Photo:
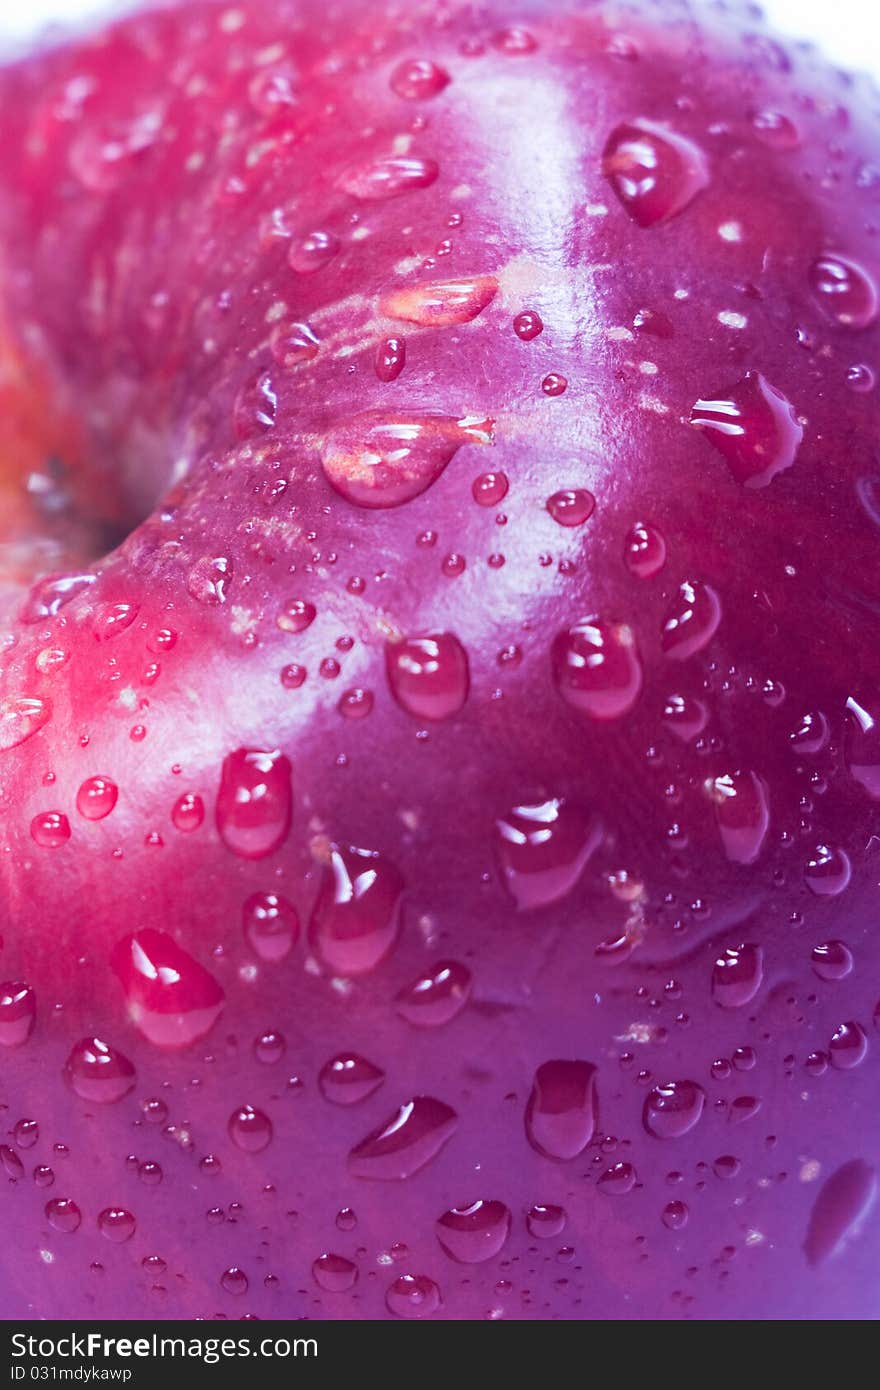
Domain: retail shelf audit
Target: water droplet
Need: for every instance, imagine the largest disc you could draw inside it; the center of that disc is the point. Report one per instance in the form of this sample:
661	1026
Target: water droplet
828	871
417	79
543	850
561	1111
356	918
554	384
63	1214
18	1013
675	1216
413	1296
597	668
116	1224
753	426
21	716
571	507
254	802
12	1164
292	344
312	252
50	829
379	460
436	996
334	1273
272	90
188	812
862	745
271	925
171	998
296	615
644	551
489	489
474	1233
737	976
346	1219
861	377
848	1046
255	407
250	1129
841	1205
528	325
618	1180
428	675
443	303
349	1078
742	814
293	676
811	734
655	172
209	579
96	798
691	620
356	704
390	359
685	716
776	130
409	1139
48	596
388	178
102	156
846	291
98	1073
673	1109
234	1281
270	1047
26	1133
545	1222
832	960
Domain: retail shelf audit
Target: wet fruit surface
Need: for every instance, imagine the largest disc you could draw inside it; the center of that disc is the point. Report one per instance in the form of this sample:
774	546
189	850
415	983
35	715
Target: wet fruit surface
439	687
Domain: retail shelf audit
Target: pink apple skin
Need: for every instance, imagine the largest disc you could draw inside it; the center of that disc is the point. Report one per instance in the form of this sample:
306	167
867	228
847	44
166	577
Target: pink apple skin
280	283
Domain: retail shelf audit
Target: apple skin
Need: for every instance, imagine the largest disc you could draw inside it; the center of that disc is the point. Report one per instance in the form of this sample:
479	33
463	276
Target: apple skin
179	195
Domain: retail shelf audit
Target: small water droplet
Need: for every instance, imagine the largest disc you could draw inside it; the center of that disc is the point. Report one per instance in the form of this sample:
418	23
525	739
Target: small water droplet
777	130
572	506
234	1281
417	79
545	1222
256	406
171	998
862	745
413	1296
828	871
292	344
846	291
250	1129
737	976
691	620
50	829
543	850
390	359
209	579
474	1233
349	1078
63	1214
618	1180
753	426
675	1216
99	1073
848	1046
528	325
742	814
116	1224
312	252
435	996
334	1273
644	550
554	384
188	812
388	178
271	925
832	960
18	1013
48	596
673	1109
96	797
685	716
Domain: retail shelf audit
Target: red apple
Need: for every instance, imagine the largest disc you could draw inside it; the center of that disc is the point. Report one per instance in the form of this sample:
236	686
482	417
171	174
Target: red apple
440	768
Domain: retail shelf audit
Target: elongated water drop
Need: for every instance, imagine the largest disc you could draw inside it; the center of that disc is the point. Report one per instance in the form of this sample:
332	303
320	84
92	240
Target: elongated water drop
379	460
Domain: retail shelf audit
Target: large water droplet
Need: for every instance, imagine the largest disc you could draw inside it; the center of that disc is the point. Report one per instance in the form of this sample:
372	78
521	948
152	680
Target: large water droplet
545	1222
116	1224
416	79
862	745
18	1013
597	668
737	976
388	178
561	1111
673	1109
63	1214
409	1139
841	1205
828	871
271	925
413	1296
654	171
846	291
428	675
312	252
334	1273
171	998
349	1078
691	620
848	1047
742	814
356	917
644	550
96	797
474	1233
832	960
50	829
685	716
98	1073
250	1129
209	579
21	716
543	850
572	506
254	802
383	460
48	596
436	996
753	426
617	1180
442	303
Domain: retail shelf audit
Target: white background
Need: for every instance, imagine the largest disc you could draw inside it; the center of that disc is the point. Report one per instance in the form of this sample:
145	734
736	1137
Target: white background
848	30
